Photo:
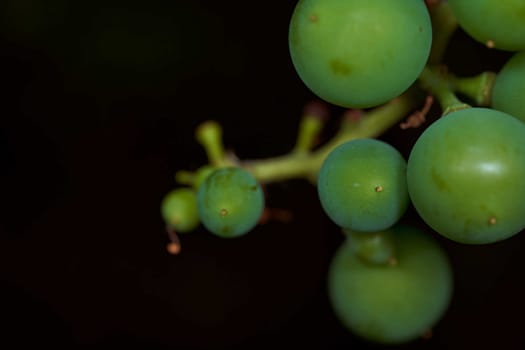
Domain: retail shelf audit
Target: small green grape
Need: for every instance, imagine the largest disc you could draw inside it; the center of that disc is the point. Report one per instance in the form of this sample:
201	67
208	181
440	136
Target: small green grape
509	87
230	202
466	174
179	210
392	303
201	175
495	23
359	53
362	185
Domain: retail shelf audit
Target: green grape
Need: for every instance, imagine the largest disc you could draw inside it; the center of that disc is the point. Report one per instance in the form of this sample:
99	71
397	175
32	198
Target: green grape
359	53
495	23
509	87
362	185
466	174
179	210
392	303
201	175
230	202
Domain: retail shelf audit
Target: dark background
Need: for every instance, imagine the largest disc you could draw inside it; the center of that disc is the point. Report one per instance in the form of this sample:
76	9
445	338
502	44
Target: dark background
99	104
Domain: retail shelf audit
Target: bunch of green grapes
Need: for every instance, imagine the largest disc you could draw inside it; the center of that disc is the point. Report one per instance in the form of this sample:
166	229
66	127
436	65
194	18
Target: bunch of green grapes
465	172
464	176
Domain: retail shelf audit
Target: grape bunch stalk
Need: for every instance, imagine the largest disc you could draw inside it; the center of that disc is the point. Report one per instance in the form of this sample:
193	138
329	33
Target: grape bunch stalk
382	61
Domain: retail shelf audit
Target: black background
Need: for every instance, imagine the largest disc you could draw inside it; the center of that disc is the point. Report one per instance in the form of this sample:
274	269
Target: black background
100	101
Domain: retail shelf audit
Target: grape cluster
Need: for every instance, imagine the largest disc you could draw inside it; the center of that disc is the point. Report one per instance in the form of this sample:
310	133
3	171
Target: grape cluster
388	282
464	175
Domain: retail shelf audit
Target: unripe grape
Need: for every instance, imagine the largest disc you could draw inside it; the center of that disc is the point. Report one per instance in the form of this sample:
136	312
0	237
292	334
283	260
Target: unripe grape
179	210
201	175
362	185
466	175
495	23
359	53
230	202
509	87
392	303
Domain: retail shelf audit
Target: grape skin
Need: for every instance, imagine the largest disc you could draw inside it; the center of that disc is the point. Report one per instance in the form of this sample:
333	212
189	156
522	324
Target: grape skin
359	53
465	176
362	185
230	202
495	23
179	210
509	87
397	303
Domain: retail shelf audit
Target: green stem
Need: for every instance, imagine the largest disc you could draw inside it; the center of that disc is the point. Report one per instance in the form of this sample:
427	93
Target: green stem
315	114
436	82
209	135
307	165
478	88
444	24
309	129
185	177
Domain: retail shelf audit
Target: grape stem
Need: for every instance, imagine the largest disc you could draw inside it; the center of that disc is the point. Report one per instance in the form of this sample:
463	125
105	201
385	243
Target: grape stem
435	80
302	161
306	165
315	114
478	88
209	135
438	81
444	24
444	86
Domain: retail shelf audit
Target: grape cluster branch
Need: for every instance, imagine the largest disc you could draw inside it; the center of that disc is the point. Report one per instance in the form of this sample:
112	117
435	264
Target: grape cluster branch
306	157
304	162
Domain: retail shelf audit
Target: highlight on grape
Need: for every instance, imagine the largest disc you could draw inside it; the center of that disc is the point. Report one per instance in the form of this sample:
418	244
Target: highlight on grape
383	62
